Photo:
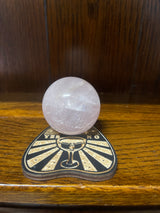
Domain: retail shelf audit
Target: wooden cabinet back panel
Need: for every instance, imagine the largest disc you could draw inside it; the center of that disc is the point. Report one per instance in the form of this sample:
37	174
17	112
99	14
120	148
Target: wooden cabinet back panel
114	44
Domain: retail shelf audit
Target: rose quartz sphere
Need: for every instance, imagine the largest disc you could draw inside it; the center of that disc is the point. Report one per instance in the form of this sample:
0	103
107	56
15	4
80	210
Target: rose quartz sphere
71	105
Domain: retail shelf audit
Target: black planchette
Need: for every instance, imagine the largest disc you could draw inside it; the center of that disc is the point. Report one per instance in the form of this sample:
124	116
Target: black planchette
52	155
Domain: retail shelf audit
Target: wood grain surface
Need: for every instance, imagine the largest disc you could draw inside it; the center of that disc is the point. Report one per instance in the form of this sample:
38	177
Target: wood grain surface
132	129
147	75
114	44
96	40
23	49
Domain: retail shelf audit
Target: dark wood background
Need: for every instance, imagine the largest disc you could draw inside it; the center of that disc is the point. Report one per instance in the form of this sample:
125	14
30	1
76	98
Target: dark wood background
114	44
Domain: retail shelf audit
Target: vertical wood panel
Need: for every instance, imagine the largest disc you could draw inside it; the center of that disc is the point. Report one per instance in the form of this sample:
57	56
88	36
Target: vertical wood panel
114	44
23	49
147	73
94	39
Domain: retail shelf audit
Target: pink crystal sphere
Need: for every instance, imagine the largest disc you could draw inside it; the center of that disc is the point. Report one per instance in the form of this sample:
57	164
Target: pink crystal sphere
71	105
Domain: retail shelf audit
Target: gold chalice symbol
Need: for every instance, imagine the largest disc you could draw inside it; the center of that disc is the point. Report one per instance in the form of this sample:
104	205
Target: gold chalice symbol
71	145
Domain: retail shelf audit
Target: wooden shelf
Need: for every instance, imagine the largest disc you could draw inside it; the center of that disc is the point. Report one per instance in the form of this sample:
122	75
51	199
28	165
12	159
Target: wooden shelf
133	130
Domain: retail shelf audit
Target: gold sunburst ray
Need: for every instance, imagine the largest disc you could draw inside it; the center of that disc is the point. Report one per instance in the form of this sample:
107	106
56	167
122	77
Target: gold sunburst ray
35	160
99	143
41	148
53	162
43	142
87	165
101	149
103	160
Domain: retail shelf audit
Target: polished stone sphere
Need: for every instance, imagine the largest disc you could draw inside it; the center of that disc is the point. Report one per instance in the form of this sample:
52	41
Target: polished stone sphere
71	105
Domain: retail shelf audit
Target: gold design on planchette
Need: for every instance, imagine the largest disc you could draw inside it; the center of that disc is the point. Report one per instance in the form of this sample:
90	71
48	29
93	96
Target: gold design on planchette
42	148
35	160
104	161
43	142
87	165
87	153
99	143
100	149
71	145
53	162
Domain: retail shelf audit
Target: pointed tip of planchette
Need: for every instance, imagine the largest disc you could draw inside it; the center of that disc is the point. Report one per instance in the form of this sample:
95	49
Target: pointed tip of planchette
87	156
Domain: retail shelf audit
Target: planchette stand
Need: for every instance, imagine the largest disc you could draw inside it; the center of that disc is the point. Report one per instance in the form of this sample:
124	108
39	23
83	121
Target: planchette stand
87	156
